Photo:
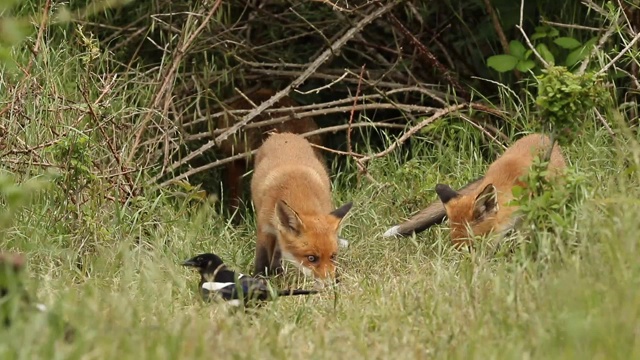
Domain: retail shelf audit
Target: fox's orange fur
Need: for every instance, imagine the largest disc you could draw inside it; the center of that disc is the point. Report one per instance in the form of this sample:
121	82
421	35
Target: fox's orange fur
250	139
486	209
431	215
296	219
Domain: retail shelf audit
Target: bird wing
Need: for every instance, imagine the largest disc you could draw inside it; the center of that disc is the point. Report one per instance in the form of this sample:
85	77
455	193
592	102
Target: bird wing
246	288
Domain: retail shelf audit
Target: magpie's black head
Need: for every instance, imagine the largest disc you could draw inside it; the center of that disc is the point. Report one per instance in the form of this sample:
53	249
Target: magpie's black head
204	262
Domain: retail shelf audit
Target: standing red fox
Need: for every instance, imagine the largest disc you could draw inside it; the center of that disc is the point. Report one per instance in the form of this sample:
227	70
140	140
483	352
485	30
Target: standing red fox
250	139
296	220
484	208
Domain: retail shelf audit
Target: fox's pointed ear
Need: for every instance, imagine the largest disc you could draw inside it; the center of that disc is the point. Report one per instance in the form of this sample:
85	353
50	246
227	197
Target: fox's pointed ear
342	210
340	213
486	202
287	218
445	193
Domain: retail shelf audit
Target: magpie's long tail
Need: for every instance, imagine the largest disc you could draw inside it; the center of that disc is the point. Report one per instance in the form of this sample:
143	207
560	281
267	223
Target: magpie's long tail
296	292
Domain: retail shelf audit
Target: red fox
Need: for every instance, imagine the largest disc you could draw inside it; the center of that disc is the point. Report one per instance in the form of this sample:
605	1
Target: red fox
250	139
432	215
296	221
484	208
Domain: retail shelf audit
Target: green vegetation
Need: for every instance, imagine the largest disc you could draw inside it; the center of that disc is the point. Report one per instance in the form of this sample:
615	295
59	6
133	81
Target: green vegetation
92	119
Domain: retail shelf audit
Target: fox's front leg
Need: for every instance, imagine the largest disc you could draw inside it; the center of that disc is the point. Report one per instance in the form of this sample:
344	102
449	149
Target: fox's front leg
268	255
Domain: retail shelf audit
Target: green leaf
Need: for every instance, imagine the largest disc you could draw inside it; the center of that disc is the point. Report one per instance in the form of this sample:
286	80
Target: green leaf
537	36
525	65
567	42
517	49
577	55
528	53
543	50
502	63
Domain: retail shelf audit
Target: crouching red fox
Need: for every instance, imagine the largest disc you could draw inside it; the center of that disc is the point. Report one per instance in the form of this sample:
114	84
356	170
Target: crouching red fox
486	207
481	206
296	220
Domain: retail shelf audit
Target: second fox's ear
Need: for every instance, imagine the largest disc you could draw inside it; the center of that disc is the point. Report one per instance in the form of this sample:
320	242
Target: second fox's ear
340	213
287	218
342	210
445	193
486	202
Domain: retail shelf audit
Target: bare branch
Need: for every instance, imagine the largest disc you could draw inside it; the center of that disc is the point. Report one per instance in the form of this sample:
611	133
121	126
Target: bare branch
294	84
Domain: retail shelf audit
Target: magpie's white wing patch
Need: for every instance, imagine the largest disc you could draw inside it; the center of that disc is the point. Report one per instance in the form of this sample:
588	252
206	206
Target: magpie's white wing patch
215	286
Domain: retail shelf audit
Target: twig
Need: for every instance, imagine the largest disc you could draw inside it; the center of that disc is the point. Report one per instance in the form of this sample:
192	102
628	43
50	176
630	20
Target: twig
327	86
526	38
571	26
497	26
36	48
604	122
115	155
207	167
440	113
353	110
477	126
603	39
430	58
620	54
336	151
169	78
327	108
329	129
402	107
310	70
294	84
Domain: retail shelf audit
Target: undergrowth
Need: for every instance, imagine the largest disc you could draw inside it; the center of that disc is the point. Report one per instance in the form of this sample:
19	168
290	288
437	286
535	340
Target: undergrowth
104	254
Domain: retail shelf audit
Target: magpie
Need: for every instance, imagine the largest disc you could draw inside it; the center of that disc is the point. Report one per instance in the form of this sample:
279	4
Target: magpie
216	279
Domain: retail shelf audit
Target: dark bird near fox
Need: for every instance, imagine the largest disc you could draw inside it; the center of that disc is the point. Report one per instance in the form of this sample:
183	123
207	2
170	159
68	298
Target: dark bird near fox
217	280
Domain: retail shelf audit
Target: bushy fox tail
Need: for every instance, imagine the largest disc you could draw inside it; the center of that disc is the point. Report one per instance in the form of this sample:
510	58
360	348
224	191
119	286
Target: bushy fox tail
432	215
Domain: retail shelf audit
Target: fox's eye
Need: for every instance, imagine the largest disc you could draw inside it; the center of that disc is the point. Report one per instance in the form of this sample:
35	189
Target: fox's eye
333	257
312	258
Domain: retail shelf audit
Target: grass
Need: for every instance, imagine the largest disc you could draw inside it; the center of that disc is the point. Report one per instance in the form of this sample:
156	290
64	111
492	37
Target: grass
113	271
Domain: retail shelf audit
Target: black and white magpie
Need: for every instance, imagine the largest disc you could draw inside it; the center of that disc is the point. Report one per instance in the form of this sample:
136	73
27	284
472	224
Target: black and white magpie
216	279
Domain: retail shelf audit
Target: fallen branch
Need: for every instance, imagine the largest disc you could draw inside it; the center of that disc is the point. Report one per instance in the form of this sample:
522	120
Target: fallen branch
620	54
328	53
440	113
169	77
221	162
328	108
294	84
430	59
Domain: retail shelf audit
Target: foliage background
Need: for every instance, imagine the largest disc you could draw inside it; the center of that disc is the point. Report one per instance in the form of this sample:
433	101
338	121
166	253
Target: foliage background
110	101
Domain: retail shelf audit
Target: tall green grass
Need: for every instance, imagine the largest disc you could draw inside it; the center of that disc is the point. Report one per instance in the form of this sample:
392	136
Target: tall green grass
112	270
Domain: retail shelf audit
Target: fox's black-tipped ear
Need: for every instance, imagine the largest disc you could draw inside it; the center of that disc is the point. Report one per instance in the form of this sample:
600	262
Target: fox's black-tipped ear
486	202
287	217
342	210
445	193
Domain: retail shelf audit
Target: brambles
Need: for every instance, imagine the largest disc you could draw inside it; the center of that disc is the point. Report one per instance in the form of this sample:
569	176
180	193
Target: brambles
565	99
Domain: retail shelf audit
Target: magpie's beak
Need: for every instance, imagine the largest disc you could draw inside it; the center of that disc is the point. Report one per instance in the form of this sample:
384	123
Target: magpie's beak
189	262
